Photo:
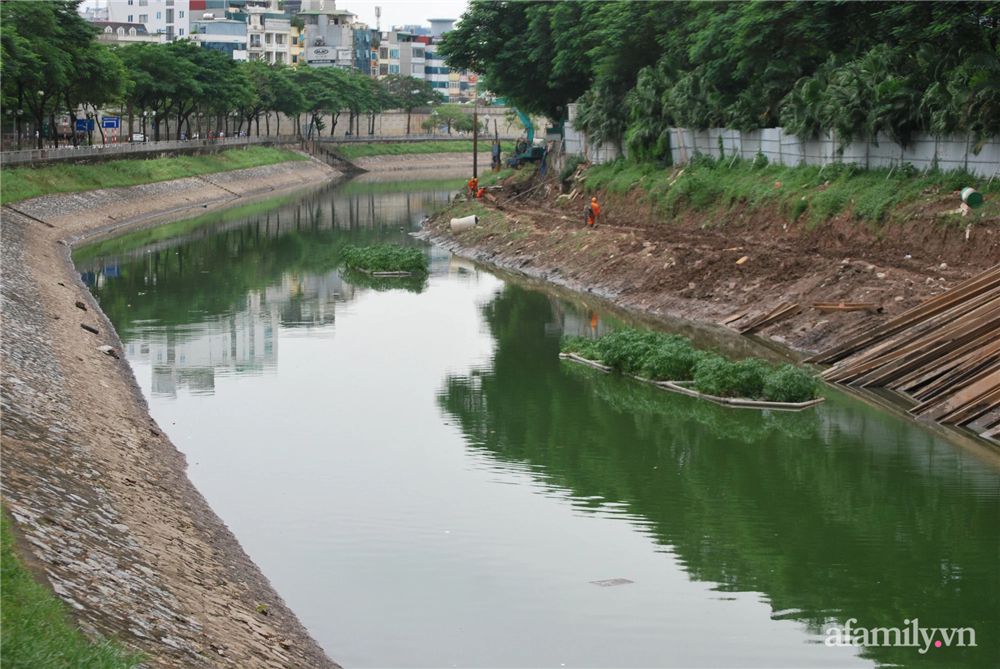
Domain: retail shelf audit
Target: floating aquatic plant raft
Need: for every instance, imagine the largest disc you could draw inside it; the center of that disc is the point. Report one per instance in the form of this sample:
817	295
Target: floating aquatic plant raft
385	259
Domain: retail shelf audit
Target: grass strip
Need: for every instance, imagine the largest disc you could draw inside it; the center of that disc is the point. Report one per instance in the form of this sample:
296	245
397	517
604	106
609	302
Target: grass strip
665	357
405	148
37	632
20	183
809	193
385	258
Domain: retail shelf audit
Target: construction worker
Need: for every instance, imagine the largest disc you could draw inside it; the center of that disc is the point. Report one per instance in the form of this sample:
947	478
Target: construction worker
473	186
592	210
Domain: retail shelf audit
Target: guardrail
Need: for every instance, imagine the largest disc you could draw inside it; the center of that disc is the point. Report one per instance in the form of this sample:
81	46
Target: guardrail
29	156
70	152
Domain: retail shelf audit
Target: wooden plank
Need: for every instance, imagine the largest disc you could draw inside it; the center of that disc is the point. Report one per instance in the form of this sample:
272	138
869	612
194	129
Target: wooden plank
772	318
965	354
982	404
972	287
955	379
734	318
830	307
894	347
960	398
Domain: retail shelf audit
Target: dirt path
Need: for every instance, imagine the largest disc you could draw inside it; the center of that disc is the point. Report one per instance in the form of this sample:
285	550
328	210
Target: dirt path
697	269
99	494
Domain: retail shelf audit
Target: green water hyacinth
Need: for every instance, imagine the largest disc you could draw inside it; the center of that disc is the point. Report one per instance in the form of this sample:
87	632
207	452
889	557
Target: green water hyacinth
665	357
385	258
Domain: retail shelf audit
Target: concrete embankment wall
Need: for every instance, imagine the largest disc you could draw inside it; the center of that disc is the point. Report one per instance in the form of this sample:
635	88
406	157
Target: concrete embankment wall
99	496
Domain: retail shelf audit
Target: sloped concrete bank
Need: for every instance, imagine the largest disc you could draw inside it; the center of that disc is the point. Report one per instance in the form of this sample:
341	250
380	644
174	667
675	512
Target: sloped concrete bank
99	495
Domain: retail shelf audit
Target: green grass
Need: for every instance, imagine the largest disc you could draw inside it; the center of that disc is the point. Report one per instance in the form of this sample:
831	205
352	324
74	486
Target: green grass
664	357
22	182
404	148
808	193
385	258
37	632
493	178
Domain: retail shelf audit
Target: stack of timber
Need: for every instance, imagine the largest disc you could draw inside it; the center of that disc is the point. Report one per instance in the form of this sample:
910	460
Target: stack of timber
779	313
944	354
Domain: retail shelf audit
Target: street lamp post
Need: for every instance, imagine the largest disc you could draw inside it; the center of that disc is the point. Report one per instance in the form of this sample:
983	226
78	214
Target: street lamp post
475	138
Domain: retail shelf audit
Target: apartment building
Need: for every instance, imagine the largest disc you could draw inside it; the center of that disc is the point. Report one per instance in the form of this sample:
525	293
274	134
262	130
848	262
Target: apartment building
170	19
226	35
268	39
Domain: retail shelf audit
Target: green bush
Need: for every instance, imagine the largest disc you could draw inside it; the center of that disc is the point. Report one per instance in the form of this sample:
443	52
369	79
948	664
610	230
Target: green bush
790	384
673	359
748	378
714	375
665	357
626	349
582	346
385	258
569	169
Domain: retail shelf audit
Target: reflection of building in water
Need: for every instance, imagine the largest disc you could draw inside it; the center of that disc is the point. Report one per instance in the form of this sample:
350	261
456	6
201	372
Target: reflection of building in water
309	299
190	356
573	319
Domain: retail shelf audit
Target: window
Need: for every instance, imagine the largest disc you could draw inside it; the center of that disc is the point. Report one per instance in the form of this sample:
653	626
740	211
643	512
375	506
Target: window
129	3
295	59
383	53
416	69
159	15
121	31
279	39
295	41
383	69
107	30
418	53
394	53
279	57
143	3
180	33
143	18
170	15
180	14
267	38
131	31
130	18
394	69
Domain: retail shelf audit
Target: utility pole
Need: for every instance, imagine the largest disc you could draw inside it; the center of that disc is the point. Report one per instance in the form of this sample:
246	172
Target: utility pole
475	137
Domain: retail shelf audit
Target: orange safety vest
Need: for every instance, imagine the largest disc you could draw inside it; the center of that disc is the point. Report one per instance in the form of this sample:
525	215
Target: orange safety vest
595	211
472	185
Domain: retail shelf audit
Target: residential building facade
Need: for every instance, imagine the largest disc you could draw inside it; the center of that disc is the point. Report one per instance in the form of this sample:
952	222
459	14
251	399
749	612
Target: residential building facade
169	19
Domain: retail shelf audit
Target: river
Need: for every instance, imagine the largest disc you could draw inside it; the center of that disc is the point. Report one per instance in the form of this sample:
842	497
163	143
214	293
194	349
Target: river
426	484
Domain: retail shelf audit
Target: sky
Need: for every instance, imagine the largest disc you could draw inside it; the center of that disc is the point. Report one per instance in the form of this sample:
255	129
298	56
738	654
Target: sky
394	12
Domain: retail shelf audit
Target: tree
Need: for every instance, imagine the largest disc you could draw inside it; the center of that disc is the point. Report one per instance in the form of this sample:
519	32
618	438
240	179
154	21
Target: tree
411	92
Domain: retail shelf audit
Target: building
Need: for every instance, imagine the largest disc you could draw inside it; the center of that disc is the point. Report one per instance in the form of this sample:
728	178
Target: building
113	32
296	49
268	39
226	35
405	53
169	19
333	38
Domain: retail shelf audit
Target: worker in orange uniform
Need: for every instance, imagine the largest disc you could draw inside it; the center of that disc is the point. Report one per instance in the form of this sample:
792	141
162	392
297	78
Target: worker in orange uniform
473	186
593	210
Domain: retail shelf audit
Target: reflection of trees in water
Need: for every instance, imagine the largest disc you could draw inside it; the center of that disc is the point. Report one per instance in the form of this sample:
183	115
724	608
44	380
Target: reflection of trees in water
796	506
209	269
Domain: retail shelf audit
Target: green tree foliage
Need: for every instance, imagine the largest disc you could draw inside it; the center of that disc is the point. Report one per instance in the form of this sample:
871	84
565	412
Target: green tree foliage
52	65
638	69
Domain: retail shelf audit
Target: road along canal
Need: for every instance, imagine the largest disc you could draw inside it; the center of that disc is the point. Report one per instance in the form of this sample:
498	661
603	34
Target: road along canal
426	483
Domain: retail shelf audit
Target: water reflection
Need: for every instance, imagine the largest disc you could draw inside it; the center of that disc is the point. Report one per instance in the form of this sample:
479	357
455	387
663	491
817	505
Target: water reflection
455	488
210	296
841	512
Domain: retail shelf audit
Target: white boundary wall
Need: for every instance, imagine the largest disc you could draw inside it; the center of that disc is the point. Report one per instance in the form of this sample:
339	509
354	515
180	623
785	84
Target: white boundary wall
781	148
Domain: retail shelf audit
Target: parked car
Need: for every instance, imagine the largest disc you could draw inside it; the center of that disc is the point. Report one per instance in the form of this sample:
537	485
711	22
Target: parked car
138	137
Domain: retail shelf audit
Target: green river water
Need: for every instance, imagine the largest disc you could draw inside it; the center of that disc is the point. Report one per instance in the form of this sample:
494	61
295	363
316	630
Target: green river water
426	484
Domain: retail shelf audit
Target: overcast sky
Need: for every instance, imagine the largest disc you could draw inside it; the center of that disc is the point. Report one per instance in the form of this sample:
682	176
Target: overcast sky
394	12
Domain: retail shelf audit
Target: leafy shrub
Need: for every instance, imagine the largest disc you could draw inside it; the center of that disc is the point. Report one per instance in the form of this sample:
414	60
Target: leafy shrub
714	375
569	169
790	384
748	377
582	346
673	359
385	258
625	349
760	161
704	160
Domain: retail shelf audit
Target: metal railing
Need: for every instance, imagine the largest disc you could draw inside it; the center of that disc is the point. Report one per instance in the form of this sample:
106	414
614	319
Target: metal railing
28	156
70	152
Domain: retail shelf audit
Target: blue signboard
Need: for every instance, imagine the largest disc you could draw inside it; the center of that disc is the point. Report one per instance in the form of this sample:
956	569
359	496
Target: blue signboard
109	121
84	125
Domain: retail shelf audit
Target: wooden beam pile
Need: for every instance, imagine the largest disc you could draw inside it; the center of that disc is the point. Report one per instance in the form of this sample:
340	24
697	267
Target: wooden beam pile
779	313
944	353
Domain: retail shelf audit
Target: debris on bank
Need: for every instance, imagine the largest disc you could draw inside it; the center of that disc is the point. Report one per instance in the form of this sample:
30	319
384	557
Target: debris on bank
943	354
